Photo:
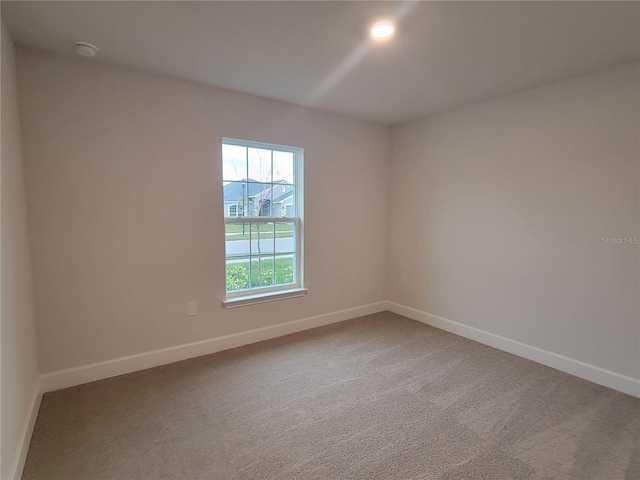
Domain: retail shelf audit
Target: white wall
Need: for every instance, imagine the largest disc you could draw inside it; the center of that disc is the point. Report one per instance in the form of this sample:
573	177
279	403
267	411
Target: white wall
124	192
19	360
498	210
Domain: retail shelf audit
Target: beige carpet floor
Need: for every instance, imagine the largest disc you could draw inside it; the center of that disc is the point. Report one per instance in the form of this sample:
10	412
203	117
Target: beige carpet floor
377	397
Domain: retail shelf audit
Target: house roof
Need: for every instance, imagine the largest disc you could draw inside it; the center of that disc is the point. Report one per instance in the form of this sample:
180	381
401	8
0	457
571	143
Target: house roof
280	192
233	191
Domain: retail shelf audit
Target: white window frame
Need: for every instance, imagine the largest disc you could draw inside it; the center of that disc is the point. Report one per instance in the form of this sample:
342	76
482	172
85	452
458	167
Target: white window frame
255	295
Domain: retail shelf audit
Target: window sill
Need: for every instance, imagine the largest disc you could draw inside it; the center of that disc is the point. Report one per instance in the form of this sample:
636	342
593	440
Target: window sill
246	300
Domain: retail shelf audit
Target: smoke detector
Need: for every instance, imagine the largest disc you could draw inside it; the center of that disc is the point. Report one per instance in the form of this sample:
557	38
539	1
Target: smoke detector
86	49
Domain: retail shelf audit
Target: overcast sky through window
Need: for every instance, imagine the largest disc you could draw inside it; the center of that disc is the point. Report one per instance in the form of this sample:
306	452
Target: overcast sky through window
239	163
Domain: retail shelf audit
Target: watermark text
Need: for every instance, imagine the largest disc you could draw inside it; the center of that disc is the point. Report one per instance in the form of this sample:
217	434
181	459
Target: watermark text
620	240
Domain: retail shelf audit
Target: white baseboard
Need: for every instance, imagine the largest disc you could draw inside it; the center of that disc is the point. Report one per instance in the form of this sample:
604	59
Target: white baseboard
15	473
119	366
580	369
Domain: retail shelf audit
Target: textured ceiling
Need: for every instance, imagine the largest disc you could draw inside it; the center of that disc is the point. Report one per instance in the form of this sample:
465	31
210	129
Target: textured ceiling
444	55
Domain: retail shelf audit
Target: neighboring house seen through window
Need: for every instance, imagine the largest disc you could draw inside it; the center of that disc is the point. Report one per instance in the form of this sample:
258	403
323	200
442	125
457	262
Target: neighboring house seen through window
262	185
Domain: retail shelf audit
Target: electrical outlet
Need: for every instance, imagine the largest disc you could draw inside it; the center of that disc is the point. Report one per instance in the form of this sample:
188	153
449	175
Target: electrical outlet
405	281
192	308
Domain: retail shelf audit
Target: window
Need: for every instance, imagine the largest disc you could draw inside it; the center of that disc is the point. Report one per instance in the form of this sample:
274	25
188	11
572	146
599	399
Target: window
262	185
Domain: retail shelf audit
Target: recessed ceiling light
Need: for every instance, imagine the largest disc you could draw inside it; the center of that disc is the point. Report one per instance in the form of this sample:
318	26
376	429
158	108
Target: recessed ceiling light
86	49
382	30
